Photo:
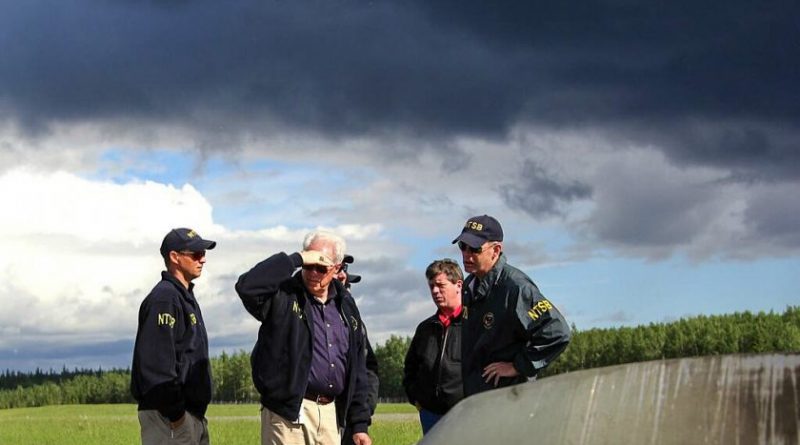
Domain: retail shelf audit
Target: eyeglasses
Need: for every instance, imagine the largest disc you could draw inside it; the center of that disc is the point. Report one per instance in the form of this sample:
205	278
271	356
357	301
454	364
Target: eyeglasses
466	248
318	268
197	256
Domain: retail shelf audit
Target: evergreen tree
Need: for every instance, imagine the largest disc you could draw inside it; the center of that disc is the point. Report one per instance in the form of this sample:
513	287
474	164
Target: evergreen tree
391	357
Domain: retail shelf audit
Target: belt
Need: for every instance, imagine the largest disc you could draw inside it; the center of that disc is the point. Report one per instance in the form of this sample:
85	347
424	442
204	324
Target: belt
319	399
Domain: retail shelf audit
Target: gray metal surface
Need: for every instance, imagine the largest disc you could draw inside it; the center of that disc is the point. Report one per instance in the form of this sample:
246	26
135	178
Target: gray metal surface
733	399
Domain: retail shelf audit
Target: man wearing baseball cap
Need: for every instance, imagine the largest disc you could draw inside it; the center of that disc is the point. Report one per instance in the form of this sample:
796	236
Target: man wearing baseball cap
510	331
308	363
171	372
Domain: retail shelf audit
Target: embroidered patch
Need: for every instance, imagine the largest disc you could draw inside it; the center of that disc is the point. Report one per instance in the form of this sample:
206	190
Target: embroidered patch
166	319
539	309
488	320
296	310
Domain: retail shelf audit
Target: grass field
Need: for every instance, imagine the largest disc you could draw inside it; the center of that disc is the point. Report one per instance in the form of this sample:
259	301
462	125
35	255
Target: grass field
393	424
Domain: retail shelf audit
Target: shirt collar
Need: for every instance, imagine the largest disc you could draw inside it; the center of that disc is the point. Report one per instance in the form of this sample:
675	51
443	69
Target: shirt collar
446	319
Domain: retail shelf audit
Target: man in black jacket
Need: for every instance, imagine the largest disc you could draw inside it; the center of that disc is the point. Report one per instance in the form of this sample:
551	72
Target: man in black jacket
171	373
510	330
432	370
308	363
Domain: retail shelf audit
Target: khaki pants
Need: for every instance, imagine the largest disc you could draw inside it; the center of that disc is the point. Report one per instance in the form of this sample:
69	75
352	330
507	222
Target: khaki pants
156	430
316	426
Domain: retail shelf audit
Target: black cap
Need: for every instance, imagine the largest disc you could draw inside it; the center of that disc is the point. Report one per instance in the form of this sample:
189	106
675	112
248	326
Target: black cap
480	229
351	277
184	239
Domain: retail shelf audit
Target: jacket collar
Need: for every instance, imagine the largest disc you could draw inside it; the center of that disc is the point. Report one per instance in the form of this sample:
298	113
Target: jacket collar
486	283
187	293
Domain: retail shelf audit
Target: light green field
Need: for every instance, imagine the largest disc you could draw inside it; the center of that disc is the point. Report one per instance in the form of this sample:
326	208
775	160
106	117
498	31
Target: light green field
393	424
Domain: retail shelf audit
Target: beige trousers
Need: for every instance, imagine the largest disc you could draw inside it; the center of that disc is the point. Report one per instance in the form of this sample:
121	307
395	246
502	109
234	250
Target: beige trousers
316	426
156	430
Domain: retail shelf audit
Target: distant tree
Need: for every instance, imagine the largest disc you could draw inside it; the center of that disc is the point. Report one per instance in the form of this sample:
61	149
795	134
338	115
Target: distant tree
232	378
391	356
741	332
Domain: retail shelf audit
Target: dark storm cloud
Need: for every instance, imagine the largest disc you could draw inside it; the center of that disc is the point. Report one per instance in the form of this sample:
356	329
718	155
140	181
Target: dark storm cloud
540	195
772	214
664	59
442	69
713	86
708	85
347	68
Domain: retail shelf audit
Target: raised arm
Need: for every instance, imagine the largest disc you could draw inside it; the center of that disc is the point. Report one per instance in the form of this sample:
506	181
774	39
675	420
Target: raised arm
258	285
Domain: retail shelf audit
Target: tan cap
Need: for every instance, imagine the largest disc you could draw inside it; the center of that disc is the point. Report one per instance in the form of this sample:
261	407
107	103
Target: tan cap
312	257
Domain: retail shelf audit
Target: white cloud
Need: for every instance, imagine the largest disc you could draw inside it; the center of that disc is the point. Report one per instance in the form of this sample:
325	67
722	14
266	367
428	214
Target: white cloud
79	255
63	204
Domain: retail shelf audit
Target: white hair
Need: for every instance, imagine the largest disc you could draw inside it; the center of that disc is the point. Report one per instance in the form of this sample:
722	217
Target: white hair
339	246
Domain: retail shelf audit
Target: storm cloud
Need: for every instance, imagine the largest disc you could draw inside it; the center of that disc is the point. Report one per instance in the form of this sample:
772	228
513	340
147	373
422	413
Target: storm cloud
707	85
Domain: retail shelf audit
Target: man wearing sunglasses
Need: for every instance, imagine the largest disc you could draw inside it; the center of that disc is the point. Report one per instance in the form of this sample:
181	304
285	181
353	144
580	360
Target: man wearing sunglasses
308	363
510	331
171	374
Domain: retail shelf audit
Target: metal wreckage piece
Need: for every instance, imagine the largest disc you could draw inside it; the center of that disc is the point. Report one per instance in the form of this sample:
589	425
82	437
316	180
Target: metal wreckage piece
730	399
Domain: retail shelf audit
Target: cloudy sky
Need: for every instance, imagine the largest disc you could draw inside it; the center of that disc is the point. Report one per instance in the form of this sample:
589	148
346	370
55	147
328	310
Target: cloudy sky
644	159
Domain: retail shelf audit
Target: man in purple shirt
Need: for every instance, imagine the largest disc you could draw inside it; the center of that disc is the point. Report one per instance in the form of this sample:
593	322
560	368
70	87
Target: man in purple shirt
308	363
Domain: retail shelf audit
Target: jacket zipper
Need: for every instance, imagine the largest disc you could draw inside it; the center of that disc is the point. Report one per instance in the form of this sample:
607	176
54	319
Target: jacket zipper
441	359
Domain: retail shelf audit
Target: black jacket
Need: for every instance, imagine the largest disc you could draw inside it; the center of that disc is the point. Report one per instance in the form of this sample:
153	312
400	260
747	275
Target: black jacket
171	371
281	358
432	370
373	385
373	377
507	319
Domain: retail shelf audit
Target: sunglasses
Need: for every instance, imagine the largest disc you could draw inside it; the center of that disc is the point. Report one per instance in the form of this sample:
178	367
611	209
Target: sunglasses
318	268
466	248
197	256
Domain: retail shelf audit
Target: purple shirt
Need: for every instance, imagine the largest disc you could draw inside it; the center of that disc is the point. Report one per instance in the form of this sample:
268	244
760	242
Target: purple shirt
329	353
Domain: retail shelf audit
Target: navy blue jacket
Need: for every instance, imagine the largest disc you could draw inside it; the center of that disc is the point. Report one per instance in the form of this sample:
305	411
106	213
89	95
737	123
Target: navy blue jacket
171	371
281	358
506	319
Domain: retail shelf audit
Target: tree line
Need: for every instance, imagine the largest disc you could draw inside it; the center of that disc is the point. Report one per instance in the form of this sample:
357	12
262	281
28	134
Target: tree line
12	379
743	332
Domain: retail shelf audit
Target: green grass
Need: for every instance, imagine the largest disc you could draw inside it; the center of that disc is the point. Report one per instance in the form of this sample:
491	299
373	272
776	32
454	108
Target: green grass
394	424
396	408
